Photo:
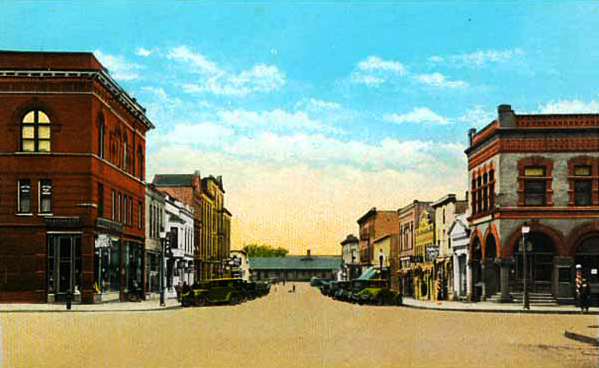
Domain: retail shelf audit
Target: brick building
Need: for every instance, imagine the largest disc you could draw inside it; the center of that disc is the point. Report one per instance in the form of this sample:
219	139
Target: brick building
373	225
543	170
212	221
402	256
71	180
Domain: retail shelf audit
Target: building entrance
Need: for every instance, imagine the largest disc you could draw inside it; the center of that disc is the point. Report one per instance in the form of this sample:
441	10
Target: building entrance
540	254
64	265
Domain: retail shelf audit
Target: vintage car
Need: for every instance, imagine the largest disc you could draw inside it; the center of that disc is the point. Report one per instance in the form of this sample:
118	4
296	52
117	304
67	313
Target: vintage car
250	290
324	287
215	291
376	292
343	290
262	288
316	282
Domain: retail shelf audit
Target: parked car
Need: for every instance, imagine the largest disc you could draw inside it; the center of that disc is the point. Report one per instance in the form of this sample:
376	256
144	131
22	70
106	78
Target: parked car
262	288
215	291
377	292
316	282
342	291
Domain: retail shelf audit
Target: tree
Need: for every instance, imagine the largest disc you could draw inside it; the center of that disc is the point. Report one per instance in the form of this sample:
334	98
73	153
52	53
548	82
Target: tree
256	250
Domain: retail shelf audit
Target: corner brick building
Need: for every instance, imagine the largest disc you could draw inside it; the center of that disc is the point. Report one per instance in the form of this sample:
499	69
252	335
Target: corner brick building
71	180
542	170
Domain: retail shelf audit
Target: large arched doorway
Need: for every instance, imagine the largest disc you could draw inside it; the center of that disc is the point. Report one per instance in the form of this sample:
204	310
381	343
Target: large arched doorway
476	271
587	256
540	253
491	273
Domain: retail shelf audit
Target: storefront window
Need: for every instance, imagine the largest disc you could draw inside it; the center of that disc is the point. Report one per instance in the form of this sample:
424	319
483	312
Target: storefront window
106	266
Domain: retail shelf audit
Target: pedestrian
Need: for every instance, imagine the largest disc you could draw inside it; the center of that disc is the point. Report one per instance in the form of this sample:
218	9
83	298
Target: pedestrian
585	296
178	291
294	288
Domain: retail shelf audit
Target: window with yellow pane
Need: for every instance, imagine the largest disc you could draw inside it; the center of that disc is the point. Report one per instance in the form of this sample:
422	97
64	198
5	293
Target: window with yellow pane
35	132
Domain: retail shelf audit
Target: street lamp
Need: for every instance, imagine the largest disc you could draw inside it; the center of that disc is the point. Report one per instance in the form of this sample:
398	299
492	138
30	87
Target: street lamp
525	230
163	235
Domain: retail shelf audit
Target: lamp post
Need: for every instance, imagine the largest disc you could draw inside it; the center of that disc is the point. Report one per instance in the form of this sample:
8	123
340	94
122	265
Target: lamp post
161	268
525	230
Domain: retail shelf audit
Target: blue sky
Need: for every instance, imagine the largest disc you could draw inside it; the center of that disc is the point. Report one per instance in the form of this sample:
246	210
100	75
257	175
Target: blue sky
314	112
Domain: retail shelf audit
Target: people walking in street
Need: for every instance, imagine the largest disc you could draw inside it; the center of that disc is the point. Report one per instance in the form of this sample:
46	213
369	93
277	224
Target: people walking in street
585	296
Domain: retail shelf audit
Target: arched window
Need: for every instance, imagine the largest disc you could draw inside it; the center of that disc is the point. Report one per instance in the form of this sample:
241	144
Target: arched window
101	130
35	132
140	162
125	166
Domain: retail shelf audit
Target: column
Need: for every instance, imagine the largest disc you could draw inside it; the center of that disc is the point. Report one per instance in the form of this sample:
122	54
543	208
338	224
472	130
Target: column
505	265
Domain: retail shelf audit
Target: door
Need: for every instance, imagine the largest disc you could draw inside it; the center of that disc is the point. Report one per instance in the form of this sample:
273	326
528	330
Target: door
64	265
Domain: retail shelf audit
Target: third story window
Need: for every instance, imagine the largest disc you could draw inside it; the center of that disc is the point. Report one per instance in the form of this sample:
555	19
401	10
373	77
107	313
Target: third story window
35	132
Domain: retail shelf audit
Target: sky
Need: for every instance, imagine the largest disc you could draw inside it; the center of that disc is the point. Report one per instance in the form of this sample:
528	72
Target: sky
315	112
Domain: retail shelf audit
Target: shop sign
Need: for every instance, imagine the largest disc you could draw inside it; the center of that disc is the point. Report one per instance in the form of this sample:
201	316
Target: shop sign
63	222
431	253
103	241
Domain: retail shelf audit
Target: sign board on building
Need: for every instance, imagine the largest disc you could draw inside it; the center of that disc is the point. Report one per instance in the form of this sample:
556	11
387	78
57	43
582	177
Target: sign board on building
103	241
432	253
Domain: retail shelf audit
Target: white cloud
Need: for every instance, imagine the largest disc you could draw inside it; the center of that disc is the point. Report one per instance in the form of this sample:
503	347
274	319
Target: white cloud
374	71
418	115
375	63
143	52
368	80
480	58
477	117
570	107
198	62
439	80
158	91
205	134
324	104
436	59
259	78
118	67
276	120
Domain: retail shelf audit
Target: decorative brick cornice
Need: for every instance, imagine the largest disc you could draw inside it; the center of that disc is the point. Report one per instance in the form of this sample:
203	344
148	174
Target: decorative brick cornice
552	145
558	121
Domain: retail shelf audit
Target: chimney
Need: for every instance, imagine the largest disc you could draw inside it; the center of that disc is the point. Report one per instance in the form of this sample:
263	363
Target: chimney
471	133
506	116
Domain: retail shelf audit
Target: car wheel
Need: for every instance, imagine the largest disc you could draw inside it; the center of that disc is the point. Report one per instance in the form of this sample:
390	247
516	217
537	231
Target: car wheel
233	300
380	301
200	301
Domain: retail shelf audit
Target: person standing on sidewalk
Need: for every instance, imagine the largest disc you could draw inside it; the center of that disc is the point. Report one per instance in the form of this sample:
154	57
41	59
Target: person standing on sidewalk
585	296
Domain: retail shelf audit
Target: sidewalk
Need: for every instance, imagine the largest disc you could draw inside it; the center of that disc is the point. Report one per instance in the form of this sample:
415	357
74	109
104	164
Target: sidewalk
144	306
490	307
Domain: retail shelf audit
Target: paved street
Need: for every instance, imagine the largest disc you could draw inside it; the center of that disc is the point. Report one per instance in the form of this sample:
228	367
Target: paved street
302	329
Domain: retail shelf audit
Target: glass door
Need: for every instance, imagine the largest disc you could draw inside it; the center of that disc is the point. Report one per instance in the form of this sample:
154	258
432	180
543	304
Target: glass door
64	264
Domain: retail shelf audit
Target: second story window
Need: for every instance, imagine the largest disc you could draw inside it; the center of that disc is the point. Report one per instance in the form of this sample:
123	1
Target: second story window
534	190
582	186
24	196
35	132
112	205
45	198
101	129
100	200
139	214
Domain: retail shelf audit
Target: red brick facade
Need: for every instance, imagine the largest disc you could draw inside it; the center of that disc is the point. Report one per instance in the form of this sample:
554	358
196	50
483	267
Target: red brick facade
80	101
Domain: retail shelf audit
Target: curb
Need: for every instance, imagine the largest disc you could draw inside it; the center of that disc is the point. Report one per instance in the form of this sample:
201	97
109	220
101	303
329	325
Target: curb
512	311
582	338
175	307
